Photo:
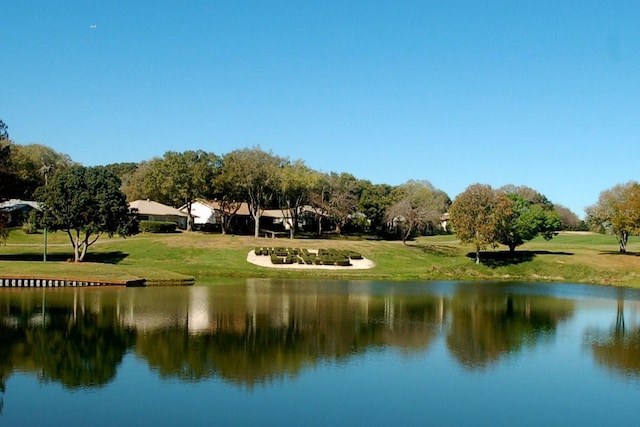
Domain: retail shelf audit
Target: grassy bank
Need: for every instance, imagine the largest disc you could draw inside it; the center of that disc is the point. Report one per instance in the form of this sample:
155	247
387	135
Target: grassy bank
576	258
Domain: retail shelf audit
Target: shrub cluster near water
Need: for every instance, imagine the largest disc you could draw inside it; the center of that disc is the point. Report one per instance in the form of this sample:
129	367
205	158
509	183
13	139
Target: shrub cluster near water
282	255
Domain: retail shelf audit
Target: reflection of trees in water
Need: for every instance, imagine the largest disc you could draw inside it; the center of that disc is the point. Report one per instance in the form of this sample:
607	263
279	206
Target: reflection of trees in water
8	339
79	351
617	348
256	334
487	325
274	338
60	340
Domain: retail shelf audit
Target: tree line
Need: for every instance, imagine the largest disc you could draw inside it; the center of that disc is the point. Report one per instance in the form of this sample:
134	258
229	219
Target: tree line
69	194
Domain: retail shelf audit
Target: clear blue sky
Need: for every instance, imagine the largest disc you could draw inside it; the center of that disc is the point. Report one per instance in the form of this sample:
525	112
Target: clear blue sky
538	93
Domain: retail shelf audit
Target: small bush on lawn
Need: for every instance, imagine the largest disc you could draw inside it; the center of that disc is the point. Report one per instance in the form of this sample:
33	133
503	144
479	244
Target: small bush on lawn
29	228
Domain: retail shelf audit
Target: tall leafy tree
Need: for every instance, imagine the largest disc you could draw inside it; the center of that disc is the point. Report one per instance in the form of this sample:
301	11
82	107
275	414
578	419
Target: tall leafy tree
180	178
618	212
295	183
125	171
337	196
473	216
230	198
568	219
133	184
522	214
256	173
85	202
374	202
33	164
420	206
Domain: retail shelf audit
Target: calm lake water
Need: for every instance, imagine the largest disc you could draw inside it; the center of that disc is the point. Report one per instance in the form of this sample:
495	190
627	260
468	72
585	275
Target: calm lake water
272	352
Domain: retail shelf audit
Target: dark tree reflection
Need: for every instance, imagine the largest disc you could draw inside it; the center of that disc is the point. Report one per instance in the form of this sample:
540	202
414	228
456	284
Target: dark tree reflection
487	325
617	348
263	332
259	338
60	339
79	351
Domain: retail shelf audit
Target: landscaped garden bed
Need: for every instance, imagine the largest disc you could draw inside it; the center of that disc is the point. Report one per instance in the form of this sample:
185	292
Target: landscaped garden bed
287	255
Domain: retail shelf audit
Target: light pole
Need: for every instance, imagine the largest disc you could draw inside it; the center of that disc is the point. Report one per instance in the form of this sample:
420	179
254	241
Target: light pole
44	170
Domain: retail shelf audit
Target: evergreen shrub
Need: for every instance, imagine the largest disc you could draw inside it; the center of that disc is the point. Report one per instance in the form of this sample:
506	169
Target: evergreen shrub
147	226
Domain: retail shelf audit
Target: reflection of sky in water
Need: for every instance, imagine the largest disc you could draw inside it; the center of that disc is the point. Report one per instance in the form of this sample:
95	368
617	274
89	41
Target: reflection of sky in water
553	380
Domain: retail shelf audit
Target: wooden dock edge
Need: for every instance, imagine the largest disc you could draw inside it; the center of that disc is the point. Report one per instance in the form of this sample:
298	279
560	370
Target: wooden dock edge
15	281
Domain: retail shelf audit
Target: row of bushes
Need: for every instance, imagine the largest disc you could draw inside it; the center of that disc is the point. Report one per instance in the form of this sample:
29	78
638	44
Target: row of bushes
30	227
158	226
281	255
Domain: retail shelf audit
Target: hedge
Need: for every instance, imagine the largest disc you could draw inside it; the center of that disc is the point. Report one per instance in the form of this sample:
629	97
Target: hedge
147	226
281	255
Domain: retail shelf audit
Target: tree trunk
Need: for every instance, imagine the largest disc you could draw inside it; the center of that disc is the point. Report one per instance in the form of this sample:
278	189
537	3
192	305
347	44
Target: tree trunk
83	252
294	222
406	235
75	242
289	218
624	237
477	255
256	225
512	248
223	226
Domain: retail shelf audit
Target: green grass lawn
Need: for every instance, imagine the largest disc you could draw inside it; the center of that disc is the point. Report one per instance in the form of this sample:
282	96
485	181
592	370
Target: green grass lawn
582	258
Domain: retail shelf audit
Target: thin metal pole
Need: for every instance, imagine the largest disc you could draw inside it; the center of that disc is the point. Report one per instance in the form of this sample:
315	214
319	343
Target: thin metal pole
45	245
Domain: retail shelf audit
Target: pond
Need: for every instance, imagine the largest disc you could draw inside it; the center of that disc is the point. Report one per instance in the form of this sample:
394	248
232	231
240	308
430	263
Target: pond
274	352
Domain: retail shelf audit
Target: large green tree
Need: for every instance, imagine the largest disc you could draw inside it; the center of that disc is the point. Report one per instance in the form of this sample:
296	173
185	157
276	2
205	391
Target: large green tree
374	202
133	184
230	198
618	212
256	174
85	202
295	184
522	214
126	172
180	178
473	216
33	164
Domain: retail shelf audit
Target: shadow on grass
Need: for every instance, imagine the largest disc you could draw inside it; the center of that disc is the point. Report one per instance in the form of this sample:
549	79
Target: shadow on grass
619	253
103	257
442	250
506	258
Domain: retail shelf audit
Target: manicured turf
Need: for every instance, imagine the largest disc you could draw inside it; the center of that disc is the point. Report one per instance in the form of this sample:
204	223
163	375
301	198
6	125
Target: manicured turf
580	258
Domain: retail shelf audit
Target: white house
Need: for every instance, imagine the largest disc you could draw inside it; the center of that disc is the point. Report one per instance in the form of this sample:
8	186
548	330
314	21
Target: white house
204	212
211	212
